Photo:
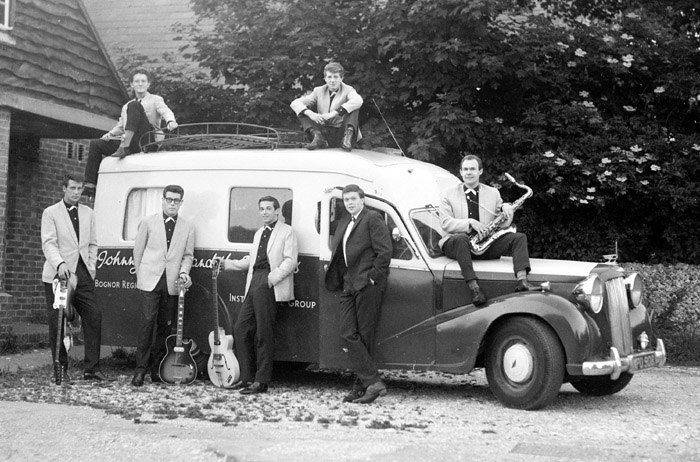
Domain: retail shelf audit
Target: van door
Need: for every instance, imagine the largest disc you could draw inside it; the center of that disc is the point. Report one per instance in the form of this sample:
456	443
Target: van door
406	331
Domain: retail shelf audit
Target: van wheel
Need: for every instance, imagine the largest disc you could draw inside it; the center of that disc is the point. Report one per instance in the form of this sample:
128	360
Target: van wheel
525	363
602	385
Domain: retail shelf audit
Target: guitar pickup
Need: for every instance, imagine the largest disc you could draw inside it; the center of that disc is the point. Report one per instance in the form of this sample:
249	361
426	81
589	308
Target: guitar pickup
179	350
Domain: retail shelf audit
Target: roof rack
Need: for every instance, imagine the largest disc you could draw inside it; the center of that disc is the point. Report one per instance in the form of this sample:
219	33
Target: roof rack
221	135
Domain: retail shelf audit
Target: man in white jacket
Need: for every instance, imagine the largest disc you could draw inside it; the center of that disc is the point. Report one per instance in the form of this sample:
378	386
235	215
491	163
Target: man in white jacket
270	266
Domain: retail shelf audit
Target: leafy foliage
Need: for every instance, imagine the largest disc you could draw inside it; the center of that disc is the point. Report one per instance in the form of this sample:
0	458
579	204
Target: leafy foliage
593	103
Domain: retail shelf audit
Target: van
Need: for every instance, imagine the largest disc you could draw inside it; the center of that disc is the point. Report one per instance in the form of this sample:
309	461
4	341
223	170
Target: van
587	326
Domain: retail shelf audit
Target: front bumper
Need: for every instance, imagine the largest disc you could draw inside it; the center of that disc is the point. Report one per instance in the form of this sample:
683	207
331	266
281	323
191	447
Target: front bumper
616	365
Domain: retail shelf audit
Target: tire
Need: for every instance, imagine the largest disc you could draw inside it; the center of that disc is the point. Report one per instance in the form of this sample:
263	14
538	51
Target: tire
525	364
601	385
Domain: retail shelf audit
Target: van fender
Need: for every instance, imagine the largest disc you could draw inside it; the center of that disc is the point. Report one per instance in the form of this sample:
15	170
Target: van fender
462	332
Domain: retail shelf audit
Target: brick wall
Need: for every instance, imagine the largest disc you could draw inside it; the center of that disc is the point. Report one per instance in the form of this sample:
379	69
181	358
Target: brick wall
5	120
36	171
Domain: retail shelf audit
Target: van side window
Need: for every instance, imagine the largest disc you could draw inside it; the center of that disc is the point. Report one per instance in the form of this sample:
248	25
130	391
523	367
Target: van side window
244	215
140	203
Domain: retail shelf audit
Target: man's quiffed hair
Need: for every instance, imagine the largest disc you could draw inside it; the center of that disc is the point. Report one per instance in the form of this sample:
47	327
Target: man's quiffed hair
140	71
334	68
354	188
174	188
77	177
275	202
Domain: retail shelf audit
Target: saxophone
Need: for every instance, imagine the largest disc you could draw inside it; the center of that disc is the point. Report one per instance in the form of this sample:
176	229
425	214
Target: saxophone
493	230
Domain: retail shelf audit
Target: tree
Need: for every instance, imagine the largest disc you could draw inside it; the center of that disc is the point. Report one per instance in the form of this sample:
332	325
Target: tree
594	103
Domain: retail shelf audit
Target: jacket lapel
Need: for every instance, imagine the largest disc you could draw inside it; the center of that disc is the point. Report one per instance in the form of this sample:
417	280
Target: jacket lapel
68	222
160	232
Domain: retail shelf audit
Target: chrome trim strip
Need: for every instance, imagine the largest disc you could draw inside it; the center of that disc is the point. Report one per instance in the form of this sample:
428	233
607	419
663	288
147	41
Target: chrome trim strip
616	365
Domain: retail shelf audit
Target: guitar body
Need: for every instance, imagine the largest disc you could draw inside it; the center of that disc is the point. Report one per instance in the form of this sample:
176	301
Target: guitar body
178	367
223	367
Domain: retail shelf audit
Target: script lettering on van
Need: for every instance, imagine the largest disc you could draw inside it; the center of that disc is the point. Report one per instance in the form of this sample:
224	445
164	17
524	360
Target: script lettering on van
105	259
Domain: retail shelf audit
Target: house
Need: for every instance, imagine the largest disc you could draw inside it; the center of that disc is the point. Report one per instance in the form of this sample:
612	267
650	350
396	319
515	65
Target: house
56	82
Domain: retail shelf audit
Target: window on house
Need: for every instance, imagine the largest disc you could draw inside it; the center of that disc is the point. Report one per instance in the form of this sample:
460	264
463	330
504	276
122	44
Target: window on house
6	10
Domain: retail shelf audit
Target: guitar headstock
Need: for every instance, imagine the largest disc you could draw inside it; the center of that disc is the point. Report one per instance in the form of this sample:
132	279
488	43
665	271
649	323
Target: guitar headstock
217	264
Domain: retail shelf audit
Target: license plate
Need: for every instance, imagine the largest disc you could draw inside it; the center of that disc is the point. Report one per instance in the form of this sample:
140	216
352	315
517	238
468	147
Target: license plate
643	361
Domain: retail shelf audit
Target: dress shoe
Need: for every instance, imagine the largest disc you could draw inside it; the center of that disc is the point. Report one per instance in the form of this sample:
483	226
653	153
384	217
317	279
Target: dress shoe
347	139
98	376
478	297
155	378
319	141
137	381
372	392
524	286
241	384
122	152
353	395
256	387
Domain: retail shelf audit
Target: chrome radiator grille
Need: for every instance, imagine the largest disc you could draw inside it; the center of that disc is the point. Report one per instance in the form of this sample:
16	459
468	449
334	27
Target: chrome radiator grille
619	315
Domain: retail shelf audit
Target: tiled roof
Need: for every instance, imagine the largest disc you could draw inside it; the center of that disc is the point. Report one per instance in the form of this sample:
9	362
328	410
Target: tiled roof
143	27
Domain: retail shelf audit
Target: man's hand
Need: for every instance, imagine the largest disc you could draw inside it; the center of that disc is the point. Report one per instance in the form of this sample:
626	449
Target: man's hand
63	271
507	210
328	116
106	137
315	116
186	280
172	125
269	282
478	227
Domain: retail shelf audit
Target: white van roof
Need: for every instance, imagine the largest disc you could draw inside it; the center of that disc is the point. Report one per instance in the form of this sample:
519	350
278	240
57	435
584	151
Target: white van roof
393	177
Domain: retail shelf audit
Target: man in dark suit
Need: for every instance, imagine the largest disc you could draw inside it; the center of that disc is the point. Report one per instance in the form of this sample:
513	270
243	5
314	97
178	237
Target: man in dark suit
467	209
69	242
163	252
359	266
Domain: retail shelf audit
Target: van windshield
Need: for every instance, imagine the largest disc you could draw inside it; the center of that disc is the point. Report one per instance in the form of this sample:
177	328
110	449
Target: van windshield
427	222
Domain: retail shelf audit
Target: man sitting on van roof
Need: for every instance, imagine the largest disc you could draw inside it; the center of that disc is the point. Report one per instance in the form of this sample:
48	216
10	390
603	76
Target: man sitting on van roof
330	113
141	115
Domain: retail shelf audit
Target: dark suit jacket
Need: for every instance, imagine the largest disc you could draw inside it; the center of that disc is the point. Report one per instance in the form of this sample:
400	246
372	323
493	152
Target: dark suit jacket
369	253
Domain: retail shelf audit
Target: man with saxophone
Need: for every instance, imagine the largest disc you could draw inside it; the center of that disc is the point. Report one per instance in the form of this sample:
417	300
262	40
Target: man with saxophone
465	211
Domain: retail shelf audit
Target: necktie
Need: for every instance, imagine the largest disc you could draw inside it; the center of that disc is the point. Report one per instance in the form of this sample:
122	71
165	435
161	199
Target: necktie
330	105
348	230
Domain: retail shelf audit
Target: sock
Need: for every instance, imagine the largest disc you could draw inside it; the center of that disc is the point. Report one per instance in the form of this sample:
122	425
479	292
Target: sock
473	284
522	274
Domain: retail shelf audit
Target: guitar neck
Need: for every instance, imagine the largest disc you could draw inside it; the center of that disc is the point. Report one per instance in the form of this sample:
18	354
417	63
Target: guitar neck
214	296
180	316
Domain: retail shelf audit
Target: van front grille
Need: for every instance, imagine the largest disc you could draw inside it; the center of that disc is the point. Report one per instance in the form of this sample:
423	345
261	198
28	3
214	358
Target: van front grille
620	328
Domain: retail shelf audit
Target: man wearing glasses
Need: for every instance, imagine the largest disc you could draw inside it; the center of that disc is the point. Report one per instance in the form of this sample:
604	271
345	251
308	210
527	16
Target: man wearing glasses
163	252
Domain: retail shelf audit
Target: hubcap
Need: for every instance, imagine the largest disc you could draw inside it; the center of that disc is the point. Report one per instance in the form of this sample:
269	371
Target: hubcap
518	363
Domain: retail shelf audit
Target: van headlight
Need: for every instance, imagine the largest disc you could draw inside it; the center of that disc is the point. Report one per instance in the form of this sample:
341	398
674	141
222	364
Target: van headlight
589	293
635	289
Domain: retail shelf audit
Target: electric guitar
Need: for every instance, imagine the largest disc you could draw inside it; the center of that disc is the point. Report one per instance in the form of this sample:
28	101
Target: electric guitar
223	367
178	367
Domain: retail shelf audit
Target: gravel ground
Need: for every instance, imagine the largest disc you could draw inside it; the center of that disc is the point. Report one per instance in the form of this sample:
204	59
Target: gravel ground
426	416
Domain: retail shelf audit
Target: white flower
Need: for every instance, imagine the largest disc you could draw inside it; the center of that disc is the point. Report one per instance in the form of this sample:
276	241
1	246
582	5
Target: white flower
548	154
627	64
629	108
621	179
590	198
560	161
559	179
576	162
498	120
626	37
659	90
612	60
591	189
563	46
551	191
580	53
573	198
635	148
628	58
587	172
696	147
478	120
583	94
605	160
655	168
644	182
583	201
614	148
607	173
588	104
608	39
571	64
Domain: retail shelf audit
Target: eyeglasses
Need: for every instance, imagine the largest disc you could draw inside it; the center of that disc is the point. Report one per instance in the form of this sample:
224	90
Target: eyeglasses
172	200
